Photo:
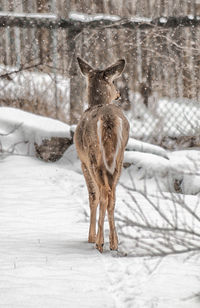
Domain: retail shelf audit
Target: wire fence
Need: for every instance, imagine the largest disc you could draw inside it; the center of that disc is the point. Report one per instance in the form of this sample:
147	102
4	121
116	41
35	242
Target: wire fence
160	85
172	123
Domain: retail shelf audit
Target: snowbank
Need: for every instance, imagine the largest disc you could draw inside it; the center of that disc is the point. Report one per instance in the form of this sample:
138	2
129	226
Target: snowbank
136	145
179	173
19	130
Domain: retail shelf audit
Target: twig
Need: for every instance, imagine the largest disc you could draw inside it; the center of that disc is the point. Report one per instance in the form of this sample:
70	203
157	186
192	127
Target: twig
12	131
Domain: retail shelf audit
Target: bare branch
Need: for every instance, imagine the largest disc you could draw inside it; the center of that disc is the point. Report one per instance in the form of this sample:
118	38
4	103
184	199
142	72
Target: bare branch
16	127
22	68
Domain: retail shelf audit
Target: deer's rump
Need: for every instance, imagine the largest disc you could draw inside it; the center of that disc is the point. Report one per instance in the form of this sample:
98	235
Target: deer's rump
109	132
100	136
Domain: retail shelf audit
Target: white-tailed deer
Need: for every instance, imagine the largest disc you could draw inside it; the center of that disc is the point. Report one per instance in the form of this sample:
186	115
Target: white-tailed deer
100	138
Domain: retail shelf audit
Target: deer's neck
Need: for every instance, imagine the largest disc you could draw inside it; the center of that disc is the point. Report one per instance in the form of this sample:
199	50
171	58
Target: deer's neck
96	97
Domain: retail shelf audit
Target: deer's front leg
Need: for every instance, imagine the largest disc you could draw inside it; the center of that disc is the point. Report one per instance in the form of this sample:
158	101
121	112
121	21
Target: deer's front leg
113	234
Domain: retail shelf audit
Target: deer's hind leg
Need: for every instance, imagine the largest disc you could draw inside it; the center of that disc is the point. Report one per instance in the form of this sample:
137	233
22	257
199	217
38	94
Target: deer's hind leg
103	207
93	192
113	234
111	206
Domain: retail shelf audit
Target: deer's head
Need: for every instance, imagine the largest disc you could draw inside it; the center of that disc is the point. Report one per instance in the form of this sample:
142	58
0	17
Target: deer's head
101	89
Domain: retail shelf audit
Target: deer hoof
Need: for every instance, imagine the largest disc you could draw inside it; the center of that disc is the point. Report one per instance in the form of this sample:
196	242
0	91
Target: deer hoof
99	247
113	247
114	243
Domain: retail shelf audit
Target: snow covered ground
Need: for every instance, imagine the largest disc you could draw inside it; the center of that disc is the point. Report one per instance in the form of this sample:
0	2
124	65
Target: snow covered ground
45	260
19	130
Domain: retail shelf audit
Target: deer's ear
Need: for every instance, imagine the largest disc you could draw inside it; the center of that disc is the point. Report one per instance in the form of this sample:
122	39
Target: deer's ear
115	70
84	66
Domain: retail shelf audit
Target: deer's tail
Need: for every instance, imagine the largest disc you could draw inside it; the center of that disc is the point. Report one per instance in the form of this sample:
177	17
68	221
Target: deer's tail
109	132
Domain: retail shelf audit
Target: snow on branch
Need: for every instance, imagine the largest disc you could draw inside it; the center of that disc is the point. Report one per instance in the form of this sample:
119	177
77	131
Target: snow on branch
10	150
12	130
79	21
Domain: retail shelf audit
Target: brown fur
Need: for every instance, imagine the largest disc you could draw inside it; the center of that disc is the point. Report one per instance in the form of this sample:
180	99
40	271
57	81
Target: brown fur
109	137
107	116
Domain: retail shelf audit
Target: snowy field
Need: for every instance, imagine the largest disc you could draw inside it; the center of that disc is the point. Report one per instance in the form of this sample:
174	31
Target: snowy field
45	258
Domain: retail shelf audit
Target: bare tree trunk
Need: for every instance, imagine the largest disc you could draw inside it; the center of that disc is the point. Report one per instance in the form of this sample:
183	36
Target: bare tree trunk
17	8
43	34
76	103
7	36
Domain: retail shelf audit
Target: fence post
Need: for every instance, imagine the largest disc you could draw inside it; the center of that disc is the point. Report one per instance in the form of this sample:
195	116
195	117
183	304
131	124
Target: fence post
55	60
7	36
17	8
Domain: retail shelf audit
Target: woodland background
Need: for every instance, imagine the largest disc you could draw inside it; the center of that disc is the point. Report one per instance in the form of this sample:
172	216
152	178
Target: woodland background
162	62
